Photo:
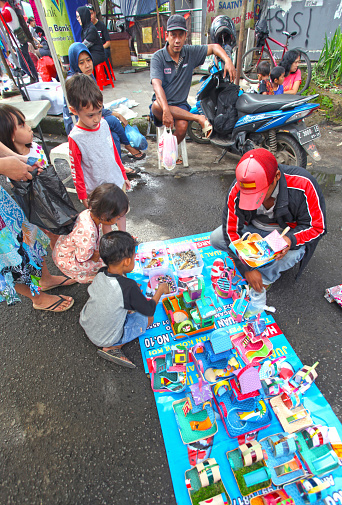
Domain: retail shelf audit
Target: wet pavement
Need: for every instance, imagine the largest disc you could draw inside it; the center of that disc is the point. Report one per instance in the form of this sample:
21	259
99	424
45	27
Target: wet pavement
79	430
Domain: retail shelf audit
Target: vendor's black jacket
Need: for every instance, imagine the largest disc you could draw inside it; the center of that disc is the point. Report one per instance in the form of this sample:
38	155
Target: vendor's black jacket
300	204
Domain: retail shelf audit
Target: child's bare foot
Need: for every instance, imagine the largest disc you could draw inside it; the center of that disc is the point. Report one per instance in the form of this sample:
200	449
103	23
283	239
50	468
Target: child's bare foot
53	303
55	281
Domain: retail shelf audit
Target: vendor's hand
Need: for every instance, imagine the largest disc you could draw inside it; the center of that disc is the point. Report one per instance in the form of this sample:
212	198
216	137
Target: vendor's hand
95	257
284	251
15	169
168	119
254	279
229	69
85	202
128	184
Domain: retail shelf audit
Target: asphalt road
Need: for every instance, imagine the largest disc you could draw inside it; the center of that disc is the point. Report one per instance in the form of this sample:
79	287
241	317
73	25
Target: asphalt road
79	430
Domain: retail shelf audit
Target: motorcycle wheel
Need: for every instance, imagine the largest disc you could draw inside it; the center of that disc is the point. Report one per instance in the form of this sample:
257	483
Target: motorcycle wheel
289	151
195	133
250	61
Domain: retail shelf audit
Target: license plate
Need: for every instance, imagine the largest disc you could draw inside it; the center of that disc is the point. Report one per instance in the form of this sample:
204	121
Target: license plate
308	134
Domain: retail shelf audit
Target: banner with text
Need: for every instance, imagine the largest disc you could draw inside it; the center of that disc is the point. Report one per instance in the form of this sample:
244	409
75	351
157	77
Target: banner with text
233	10
59	25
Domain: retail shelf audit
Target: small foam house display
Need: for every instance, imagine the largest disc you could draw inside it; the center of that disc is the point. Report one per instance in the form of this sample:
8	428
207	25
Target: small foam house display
252	344
217	356
249	468
240	403
288	407
195	414
316	451
189	313
205	485
168	371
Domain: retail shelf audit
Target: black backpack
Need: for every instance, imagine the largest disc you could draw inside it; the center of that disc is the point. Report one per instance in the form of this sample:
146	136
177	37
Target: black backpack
226	115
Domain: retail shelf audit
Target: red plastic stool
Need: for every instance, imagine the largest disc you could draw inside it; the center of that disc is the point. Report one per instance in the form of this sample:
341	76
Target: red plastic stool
111	69
102	78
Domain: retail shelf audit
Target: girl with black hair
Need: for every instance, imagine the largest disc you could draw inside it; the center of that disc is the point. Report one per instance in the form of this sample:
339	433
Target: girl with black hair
77	254
293	76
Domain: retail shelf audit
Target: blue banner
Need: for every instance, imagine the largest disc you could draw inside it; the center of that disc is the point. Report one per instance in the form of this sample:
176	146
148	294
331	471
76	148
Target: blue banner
71	7
160	339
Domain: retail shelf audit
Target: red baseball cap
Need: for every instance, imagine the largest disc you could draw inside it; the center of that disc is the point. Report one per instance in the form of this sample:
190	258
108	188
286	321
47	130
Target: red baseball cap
255	172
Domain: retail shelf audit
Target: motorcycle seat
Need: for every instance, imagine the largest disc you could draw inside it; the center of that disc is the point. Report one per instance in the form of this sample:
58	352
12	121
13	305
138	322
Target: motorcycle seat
252	103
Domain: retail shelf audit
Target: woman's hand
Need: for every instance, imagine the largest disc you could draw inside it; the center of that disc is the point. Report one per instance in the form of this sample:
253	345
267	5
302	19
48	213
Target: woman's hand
15	169
128	184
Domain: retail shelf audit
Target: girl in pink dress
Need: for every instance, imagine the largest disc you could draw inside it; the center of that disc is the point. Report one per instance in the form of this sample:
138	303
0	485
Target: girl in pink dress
293	76
77	254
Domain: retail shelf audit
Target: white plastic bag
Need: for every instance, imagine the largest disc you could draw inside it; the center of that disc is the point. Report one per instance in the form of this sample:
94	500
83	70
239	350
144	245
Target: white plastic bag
168	149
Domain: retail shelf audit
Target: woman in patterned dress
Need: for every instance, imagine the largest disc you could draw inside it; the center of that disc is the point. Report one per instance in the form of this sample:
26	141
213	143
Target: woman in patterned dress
22	249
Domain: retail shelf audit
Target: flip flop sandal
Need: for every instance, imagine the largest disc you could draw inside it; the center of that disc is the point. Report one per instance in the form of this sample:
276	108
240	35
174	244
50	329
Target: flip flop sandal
61	284
116	356
53	306
179	161
137	157
133	172
207	129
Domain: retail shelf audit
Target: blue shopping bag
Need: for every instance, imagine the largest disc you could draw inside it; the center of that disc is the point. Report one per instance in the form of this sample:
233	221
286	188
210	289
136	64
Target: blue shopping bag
136	139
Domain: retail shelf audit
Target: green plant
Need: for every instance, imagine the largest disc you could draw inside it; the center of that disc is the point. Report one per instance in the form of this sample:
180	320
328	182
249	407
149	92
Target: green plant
329	63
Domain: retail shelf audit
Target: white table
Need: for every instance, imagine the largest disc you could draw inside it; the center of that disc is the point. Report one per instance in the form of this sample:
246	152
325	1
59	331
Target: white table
34	112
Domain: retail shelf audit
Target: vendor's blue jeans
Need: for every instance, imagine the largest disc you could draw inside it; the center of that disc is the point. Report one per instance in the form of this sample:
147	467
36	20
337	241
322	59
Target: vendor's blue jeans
271	272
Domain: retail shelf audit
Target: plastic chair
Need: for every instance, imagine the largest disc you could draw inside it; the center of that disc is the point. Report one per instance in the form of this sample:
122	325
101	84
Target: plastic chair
62	152
111	69
103	75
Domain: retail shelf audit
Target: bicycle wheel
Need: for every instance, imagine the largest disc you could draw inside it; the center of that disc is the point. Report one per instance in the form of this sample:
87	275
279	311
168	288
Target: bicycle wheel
250	61
305	67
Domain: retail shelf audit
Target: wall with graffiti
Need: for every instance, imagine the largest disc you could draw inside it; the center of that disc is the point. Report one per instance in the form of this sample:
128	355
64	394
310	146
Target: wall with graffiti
311	19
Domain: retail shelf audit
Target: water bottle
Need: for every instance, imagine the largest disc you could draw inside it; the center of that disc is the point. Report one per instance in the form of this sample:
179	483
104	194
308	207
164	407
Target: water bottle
257	303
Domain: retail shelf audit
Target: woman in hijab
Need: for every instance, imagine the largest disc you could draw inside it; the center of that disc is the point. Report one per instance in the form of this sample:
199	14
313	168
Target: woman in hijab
90	36
80	60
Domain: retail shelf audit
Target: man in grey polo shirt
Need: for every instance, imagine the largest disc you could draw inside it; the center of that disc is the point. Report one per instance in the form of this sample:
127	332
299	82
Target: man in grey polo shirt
171	74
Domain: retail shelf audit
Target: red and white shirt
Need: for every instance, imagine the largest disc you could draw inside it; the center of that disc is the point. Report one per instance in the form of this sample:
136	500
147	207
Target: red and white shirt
94	159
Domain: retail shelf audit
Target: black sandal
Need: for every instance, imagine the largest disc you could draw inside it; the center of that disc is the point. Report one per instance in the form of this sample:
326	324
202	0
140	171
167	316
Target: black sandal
137	157
132	172
116	356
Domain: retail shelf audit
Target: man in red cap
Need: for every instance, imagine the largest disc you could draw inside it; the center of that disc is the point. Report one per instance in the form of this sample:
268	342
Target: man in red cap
266	197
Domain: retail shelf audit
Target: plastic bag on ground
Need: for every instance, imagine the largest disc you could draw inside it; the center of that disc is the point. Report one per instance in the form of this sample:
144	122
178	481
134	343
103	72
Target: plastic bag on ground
168	149
136	139
45	201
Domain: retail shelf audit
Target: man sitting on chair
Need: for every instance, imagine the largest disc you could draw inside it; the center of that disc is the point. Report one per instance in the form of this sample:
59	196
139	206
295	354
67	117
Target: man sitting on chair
171	75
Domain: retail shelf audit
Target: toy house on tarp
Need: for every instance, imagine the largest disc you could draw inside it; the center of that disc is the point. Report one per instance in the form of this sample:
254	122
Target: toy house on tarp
168	371
217	356
240	403
253	345
249	468
195	414
205	485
